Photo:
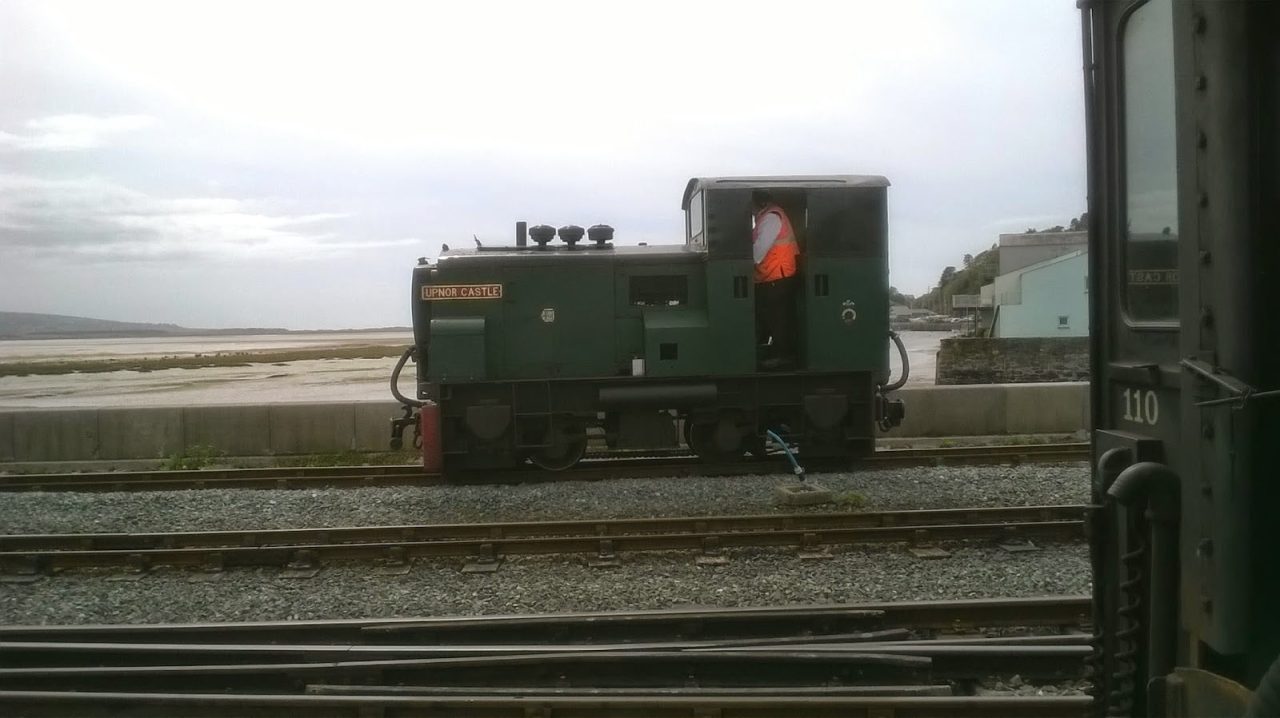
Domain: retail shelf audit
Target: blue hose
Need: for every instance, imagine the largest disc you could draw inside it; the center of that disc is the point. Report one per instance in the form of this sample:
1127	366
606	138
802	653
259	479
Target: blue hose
795	465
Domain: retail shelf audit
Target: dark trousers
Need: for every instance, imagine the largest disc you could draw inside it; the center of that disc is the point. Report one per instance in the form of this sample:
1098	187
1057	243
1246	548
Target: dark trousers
776	316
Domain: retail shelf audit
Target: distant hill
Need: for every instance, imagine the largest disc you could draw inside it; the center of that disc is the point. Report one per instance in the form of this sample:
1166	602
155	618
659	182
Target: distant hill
23	325
977	271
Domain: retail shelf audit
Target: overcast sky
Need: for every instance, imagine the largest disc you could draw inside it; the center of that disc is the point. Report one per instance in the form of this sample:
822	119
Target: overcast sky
283	164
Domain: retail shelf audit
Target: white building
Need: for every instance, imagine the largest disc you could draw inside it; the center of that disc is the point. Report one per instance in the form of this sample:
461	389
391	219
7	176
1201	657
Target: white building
1042	289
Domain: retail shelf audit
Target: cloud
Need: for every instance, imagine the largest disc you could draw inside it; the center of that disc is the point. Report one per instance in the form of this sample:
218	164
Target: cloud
96	220
61	133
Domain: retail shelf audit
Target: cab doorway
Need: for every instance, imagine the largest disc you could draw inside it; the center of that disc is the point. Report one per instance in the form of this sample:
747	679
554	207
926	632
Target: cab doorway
778	302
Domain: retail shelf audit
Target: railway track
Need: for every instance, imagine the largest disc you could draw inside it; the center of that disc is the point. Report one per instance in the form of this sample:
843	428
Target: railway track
609	467
486	543
900	659
478	704
923	618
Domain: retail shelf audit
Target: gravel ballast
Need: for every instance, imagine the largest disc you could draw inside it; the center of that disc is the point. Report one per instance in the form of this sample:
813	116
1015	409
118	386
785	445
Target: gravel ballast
752	577
231	509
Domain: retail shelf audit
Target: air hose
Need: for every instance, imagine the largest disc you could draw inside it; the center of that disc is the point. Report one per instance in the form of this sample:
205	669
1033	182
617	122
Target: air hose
795	465
395	378
906	365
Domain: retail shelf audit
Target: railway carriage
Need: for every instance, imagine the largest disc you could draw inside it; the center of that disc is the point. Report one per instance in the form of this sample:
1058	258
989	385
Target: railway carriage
1184	216
523	351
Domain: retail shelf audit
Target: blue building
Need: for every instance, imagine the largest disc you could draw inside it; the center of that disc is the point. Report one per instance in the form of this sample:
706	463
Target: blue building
1049	298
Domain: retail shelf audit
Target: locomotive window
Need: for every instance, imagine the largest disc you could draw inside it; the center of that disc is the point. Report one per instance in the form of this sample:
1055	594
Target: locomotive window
842	223
665	290
695	221
1151	206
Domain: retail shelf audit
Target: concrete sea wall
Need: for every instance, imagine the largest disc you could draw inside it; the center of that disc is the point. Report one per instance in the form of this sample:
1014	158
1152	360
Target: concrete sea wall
67	435
161	431
993	409
986	360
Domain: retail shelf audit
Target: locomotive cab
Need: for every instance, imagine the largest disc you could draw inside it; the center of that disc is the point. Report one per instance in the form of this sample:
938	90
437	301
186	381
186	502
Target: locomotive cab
840	224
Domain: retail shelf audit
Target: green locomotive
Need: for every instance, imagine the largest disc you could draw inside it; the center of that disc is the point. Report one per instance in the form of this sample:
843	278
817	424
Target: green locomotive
522	351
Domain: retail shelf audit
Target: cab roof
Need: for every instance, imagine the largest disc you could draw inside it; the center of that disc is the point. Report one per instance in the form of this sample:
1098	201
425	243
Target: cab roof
792	181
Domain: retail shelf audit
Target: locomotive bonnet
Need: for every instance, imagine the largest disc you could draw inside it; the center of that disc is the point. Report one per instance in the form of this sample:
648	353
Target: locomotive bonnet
524	352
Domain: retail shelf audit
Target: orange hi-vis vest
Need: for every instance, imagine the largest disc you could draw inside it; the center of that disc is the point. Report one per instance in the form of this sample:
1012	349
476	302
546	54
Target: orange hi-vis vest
780	261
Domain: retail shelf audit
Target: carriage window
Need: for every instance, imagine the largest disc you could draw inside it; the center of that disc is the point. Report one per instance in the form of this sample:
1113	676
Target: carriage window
1151	206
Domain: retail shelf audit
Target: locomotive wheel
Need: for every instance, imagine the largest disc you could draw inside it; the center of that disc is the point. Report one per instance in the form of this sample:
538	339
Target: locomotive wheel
567	446
718	440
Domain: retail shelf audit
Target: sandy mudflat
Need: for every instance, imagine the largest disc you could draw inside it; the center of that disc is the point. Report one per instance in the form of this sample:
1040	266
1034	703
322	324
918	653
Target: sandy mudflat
308	380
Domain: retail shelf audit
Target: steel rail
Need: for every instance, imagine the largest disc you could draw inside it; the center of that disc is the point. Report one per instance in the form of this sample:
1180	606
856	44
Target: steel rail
699	536
956	616
591	469
878	672
26	654
209	705
524	529
853	665
520	665
549	692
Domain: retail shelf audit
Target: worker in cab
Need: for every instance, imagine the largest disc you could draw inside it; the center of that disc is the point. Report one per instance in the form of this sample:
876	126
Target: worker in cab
774	248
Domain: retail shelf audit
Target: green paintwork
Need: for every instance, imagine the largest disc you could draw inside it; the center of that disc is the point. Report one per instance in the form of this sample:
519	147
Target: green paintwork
733	319
630	323
574	314
462	342
555	322
569	319
853	285
682	332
